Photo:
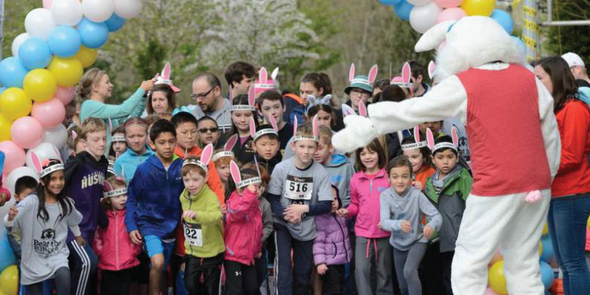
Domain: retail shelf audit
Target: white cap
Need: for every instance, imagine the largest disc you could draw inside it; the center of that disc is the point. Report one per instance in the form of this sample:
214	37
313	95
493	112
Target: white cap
573	60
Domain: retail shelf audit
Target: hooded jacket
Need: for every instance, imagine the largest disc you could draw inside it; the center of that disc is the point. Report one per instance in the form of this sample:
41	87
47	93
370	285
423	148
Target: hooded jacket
112	245
243	228
332	244
365	204
213	180
153	206
341	171
127	163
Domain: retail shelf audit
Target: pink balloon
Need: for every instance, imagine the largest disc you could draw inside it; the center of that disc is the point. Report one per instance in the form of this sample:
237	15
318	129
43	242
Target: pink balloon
26	132
15	156
448	3
454	13
47	4
50	113
65	94
490	291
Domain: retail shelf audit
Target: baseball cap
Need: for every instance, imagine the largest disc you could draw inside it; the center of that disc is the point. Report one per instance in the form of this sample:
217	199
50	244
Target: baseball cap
573	60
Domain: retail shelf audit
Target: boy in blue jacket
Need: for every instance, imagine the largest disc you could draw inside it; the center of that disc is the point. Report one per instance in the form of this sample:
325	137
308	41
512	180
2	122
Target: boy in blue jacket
153	206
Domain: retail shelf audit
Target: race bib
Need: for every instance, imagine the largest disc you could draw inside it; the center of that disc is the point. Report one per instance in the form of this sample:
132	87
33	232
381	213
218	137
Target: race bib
193	234
299	188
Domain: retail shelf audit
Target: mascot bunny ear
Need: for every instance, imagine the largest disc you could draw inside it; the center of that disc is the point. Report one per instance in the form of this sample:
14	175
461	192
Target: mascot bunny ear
430	138
433	37
347	110
373	73
431	67
231	142
207	154
417	133
263	76
363	109
455	136
36	163
274	74
406	73
234	170
351	73
252	127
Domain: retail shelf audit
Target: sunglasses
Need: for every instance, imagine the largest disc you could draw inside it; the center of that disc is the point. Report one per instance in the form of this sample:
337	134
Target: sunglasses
205	130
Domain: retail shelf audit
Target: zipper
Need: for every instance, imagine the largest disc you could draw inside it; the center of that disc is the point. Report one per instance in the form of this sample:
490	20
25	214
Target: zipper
343	237
117	240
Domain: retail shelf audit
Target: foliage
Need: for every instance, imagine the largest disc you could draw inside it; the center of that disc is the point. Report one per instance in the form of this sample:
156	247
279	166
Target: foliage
571	38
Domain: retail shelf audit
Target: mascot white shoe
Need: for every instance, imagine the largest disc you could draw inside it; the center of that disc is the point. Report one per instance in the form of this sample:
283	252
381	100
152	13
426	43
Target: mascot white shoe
514	140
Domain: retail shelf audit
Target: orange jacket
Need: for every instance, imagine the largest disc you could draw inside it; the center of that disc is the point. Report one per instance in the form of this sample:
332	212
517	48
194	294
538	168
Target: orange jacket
423	174
213	181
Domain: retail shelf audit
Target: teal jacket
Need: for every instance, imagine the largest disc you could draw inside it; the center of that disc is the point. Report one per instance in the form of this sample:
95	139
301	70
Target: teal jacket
127	163
131	107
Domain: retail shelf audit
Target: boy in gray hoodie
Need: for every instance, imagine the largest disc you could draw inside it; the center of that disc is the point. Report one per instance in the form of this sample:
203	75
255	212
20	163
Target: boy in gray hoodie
401	209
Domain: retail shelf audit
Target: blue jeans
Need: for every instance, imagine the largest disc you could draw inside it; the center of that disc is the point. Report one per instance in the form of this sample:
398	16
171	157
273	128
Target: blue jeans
567	226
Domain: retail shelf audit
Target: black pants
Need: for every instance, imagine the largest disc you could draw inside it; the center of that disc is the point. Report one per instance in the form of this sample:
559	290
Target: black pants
296	279
62	283
333	282
446	261
430	271
209	268
261	265
83	265
240	279
116	282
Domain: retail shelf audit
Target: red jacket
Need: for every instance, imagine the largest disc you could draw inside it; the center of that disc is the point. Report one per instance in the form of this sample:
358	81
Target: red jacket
573	176
243	228
112	245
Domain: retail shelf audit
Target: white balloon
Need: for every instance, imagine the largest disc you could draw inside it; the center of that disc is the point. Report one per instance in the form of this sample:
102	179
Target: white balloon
39	23
43	151
418	2
128	8
16	174
424	17
18	41
56	136
98	10
66	12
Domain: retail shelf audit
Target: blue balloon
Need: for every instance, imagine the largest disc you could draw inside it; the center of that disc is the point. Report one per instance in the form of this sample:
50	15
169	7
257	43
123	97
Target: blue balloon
2	90
504	19
548	254
390	2
34	53
547	275
115	22
402	9
12	72
93	35
64	41
6	254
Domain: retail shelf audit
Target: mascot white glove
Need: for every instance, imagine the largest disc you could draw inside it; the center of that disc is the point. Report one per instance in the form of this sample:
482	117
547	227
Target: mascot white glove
359	132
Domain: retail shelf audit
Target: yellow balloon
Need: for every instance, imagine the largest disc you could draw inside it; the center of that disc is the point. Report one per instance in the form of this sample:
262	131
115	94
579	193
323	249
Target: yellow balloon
4	128
67	71
9	280
496	278
546	228
14	103
540	248
478	7
40	85
588	223
86	55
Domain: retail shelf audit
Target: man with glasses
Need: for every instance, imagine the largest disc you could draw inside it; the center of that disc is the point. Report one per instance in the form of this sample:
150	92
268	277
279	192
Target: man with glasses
207	94
578	68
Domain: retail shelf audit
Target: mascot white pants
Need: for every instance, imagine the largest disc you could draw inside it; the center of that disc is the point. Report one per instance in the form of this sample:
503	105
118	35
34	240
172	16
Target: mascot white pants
514	141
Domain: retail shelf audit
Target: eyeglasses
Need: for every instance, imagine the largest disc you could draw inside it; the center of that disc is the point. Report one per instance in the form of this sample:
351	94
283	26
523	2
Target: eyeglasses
359	92
202	96
205	130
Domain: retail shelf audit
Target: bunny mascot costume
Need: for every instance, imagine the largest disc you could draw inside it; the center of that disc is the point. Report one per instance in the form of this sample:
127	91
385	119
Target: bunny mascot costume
514	140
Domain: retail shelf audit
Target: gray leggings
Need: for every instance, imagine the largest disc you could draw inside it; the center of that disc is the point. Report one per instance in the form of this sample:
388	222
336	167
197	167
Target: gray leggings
62	283
407	263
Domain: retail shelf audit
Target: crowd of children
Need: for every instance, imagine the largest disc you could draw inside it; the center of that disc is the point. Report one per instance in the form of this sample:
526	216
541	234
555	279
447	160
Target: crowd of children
175	204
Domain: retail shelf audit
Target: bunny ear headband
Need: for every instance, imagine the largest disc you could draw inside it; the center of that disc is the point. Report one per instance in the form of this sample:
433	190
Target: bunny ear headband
314	101
118	138
315	128
227	149
434	147
237	176
264	83
362	82
109	192
251	106
47	170
405	81
203	161
257	134
417	143
164	78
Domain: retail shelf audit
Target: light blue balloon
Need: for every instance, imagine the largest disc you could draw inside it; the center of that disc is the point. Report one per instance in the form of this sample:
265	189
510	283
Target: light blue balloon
6	254
403	9
519	42
115	23
547	275
2	90
12	72
548	253
34	53
504	19
94	35
390	2
64	41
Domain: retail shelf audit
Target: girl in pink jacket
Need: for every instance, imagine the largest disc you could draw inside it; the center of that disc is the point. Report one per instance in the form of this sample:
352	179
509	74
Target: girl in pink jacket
117	255
243	231
365	189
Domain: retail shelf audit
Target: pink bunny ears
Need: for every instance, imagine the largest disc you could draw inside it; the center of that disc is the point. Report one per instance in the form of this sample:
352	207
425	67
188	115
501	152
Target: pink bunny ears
434	147
234	170
348	110
431	68
417	144
263	82
109	192
315	127
38	166
164	78
206	156
405	80
227	149
257	134
371	78
251	106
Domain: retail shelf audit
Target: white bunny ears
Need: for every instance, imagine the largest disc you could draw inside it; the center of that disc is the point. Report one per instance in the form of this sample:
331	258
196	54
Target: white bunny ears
251	106
314	101
257	134
38	166
348	110
227	149
434	147
263	82
164	78
315	127
417	144
206	156
234	170
431	68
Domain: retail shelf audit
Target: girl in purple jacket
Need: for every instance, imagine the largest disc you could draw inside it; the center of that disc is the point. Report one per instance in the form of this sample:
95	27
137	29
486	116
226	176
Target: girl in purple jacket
331	248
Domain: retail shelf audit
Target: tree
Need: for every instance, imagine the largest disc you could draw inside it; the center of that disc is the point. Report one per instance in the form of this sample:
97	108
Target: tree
571	38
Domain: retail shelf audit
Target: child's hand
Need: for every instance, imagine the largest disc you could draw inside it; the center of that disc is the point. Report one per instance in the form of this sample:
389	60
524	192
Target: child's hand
296	210
428	231
259	255
418	185
12	213
189	214
406	226
342	212
223	209
322	269
135	237
147	85
80	241
379	225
